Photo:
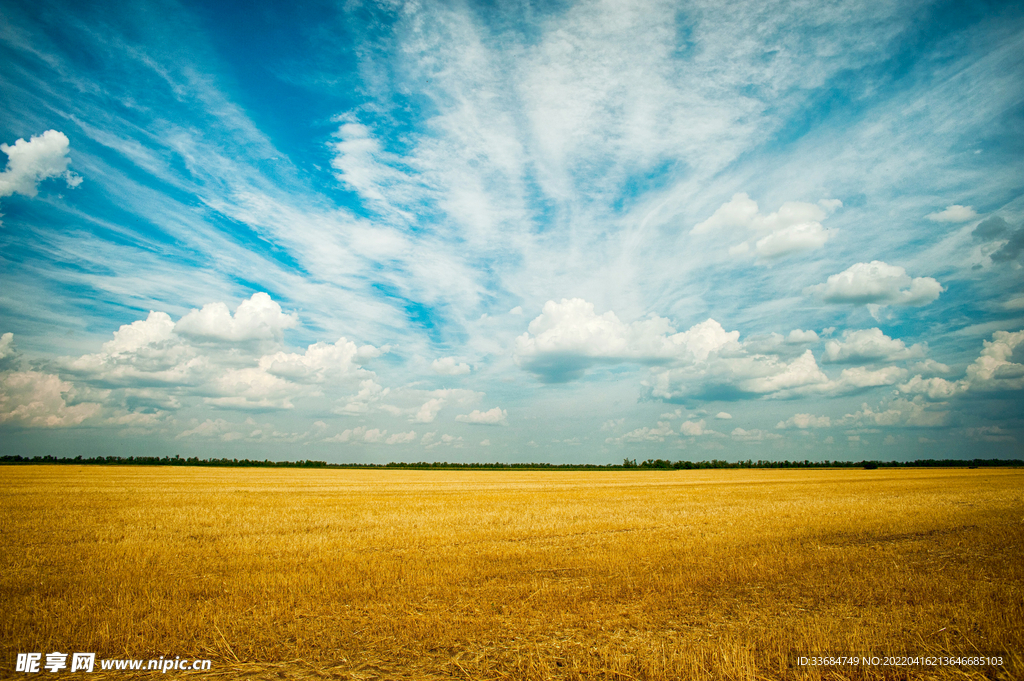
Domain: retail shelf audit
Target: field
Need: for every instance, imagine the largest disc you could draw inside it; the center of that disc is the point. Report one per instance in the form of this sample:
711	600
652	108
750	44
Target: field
644	575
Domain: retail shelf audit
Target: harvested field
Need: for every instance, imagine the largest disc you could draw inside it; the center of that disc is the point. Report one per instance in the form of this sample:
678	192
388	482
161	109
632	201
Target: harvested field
645	575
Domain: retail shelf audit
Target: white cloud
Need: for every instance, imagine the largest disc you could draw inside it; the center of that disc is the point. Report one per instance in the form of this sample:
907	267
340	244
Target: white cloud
954	213
725	416
568	337
29	163
7	346
804	421
258	318
613	424
362	434
803	237
252	388
862	377
990	434
320	362
870	345
433	402
696	429
220	429
798	336
151	364
800	372
374	435
428	410
753	436
370	393
645	434
485	443
40	400
739	212
877	283
517	310
448	366
737	374
929	367
898	412
430	441
994	368
492	417
365	167
795	227
156	328
938	389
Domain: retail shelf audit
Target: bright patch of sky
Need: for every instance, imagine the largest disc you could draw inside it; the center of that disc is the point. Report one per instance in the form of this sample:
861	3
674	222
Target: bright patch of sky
572	232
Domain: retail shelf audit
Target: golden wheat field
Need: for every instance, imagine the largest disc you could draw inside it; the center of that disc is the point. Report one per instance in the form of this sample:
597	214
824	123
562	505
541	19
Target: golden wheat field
389	574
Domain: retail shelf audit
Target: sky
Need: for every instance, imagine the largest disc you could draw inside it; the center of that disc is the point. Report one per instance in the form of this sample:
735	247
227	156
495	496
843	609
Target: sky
567	232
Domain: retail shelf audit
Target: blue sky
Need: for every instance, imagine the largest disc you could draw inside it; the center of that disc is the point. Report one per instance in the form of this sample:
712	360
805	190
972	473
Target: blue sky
567	232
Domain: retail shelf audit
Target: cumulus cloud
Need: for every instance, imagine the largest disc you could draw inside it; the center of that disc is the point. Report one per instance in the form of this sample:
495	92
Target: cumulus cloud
696	429
8	355
251	388
725	416
862	377
29	163
428	410
6	345
798	336
430	440
569	337
753	436
736	375
644	434
364	435
937	389
258	318
795	227
929	367
370	393
901	412
448	366
804	421
320	362
492	417
614	424
870	345
152	365
39	400
877	283
990	434
739	211
220	429
954	213
145	353
993	370
430	403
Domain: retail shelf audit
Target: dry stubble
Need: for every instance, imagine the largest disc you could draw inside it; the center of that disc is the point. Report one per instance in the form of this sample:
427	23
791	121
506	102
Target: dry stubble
526	575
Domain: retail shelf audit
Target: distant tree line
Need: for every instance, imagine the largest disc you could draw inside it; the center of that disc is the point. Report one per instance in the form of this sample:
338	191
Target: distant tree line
627	464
